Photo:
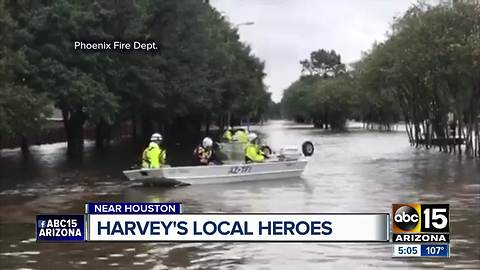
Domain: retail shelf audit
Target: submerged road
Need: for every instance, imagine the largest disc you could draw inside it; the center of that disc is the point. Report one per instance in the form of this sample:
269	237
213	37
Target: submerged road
357	171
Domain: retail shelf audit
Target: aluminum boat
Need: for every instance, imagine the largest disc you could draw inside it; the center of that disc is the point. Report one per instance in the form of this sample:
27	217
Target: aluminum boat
288	163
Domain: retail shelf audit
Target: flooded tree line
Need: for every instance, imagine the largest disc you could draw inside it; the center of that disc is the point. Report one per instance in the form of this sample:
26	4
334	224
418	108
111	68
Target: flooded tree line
427	74
200	75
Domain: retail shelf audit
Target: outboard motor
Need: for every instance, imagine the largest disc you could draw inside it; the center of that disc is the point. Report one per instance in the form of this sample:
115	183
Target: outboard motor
289	153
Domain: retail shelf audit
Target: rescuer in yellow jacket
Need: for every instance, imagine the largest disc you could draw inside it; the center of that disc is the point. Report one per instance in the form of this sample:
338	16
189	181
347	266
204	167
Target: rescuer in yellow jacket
154	155
241	136
252	150
227	136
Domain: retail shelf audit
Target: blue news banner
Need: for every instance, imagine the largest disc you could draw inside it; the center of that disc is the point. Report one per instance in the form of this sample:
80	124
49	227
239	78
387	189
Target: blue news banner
72	227
165	222
133	208
60	228
421	250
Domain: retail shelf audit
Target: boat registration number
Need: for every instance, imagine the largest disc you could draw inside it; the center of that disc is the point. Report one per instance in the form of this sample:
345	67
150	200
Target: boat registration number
240	169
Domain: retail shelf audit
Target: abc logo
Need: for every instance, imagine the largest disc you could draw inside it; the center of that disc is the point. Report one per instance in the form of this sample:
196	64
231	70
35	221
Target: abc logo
420	218
406	218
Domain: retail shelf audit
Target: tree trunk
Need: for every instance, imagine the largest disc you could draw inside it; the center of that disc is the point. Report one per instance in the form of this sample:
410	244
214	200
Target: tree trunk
73	122
99	137
134	127
229	118
24	144
207	124
409	132
147	126
469	137
102	135
220	124
108	133
417	130
477	136
459	137
426	131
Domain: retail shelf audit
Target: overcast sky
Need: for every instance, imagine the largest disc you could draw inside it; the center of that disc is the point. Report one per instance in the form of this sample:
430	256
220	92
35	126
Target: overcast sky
286	31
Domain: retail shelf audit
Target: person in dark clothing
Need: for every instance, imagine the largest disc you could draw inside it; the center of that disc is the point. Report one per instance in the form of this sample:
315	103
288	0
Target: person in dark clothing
204	154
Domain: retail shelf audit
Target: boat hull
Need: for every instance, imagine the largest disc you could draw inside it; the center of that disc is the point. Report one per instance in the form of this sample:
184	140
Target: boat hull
215	174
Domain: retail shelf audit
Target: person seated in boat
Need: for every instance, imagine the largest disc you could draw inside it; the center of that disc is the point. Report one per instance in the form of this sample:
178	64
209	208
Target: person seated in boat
241	136
253	153
227	135
154	155
204	153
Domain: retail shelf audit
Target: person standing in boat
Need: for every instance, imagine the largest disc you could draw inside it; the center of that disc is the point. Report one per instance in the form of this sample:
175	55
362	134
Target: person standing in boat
204	153
227	136
241	135
154	155
253	153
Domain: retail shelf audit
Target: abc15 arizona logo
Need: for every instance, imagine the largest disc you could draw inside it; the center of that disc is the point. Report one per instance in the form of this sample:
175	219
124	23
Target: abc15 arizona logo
421	222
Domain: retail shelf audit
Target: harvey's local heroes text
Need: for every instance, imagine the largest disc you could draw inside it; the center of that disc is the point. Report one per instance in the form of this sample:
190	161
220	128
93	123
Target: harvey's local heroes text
123	222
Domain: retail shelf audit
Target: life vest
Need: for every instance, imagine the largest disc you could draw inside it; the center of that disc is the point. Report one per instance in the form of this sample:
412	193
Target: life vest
241	136
253	153
228	135
203	155
153	156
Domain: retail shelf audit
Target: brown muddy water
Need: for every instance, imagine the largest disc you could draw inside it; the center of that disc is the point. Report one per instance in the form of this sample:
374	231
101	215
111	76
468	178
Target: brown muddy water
357	171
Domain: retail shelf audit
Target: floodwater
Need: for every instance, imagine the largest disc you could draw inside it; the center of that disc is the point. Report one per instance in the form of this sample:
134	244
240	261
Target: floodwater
358	171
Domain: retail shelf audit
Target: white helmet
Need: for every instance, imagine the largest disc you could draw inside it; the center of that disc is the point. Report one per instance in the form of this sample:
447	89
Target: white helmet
252	136
156	137
207	142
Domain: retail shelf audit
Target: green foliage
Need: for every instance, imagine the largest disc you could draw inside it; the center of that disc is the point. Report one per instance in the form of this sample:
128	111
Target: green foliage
324	96
204	68
201	69
324	63
21	110
428	68
75	81
297	98
332	102
274	110
325	102
375	100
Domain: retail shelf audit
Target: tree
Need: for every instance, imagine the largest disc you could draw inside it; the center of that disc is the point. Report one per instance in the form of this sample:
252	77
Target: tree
375	100
323	63
322	96
21	110
201	72
73	80
429	68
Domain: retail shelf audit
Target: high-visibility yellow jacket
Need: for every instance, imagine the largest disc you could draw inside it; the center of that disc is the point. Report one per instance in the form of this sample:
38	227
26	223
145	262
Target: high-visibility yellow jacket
241	136
153	156
227	136
253	153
